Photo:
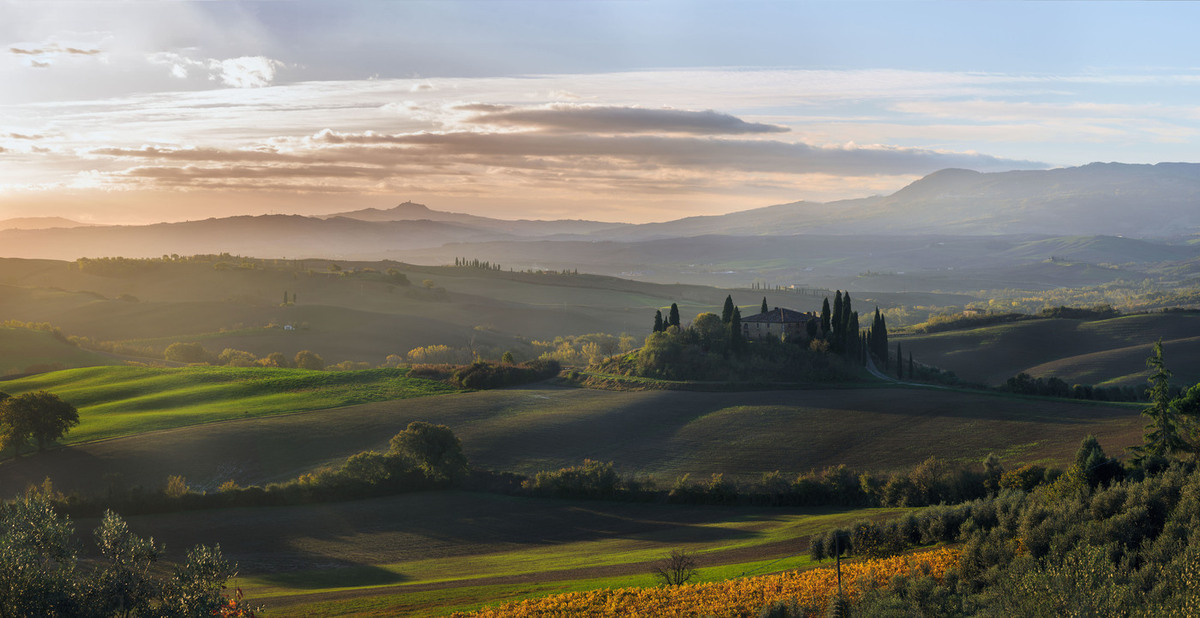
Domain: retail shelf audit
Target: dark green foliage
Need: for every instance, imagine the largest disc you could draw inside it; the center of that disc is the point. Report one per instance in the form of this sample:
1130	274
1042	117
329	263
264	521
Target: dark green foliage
706	351
484	375
658	322
826	317
434	449
1116	548
40	416
673	316
593	479
764	307
40	574
727	310
1025	384
877	338
835	318
1094	467
736	338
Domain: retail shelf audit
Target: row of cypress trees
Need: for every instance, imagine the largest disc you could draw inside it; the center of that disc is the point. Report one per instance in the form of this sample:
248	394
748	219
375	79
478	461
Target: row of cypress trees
839	324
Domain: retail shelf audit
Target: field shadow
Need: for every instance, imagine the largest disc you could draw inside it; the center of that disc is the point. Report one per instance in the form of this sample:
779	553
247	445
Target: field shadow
335	577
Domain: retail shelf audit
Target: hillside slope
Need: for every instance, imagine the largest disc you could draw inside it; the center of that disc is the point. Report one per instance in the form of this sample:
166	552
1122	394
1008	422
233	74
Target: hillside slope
659	433
1108	352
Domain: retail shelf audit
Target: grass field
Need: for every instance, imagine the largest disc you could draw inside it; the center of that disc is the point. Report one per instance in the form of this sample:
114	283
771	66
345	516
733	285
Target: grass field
431	553
123	401
1107	352
658	434
22	349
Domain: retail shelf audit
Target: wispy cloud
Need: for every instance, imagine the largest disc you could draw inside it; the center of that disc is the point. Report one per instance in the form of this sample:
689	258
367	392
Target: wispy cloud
45	55
612	119
739	138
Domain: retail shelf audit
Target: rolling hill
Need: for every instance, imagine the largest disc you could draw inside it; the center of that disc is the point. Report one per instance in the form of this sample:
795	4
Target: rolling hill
1099	352
659	433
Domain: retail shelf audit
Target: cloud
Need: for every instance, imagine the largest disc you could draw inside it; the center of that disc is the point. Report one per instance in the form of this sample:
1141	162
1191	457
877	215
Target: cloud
611	119
44	55
212	155
241	72
481	107
246	71
674	152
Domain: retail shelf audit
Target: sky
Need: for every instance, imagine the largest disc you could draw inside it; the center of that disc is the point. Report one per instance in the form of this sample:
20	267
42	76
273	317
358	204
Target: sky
144	111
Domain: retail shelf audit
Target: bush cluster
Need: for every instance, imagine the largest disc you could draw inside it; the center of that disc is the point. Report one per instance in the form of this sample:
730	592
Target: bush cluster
1025	384
422	457
485	375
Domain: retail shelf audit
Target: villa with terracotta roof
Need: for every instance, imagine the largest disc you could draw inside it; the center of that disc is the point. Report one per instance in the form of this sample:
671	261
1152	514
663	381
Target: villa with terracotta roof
778	322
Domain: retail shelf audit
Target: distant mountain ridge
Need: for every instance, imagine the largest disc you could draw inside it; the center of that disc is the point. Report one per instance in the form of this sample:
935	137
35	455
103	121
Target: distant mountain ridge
412	211
38	223
1099	199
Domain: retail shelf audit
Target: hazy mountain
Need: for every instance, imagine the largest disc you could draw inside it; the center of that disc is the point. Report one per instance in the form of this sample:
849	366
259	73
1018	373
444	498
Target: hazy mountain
1146	201
411	211
1093	206
37	223
272	236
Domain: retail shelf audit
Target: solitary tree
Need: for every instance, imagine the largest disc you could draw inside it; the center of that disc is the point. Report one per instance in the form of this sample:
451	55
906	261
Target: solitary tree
764	308
1162	437
40	416
677	569
432	448
673	316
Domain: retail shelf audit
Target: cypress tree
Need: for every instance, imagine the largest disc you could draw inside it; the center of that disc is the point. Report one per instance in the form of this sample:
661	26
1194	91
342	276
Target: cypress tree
847	311
735	329
852	333
658	323
825	316
837	320
883	341
899	362
673	316
727	312
764	305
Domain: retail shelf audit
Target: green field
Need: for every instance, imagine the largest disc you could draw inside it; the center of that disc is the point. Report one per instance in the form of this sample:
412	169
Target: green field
1100	352
653	434
124	401
431	553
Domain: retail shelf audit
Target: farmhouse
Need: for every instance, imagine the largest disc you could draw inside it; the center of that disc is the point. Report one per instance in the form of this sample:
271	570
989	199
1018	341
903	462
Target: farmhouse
778	322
